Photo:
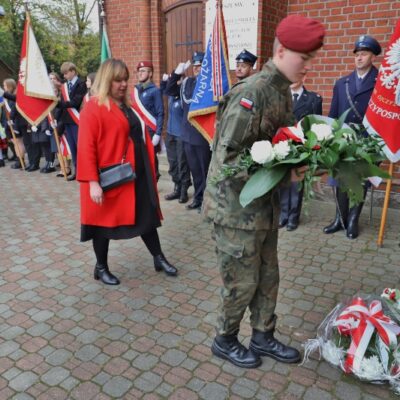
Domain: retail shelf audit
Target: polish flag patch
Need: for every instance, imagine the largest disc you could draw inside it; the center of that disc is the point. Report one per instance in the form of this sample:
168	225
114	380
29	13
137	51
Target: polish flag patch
246	103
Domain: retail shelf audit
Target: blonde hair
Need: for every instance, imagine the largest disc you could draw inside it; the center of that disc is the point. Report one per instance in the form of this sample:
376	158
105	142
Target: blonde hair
109	71
67	66
11	85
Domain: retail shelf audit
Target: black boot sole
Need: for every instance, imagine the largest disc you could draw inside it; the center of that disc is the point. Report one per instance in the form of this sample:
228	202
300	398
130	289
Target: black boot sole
97	277
264	353
220	354
159	268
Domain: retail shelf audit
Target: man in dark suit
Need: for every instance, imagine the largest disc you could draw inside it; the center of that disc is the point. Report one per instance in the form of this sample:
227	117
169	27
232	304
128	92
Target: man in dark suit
197	149
304	103
73	92
353	92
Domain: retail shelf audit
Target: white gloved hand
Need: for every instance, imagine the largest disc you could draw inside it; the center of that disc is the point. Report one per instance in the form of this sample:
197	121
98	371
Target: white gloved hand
10	122
34	128
1	92
47	132
165	77
180	69
187	65
155	140
53	124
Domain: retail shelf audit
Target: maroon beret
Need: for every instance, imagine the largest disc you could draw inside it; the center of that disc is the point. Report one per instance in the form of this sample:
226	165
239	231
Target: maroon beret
301	34
142	64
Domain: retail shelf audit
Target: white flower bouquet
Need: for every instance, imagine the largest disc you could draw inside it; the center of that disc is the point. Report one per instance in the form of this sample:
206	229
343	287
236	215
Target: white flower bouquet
361	339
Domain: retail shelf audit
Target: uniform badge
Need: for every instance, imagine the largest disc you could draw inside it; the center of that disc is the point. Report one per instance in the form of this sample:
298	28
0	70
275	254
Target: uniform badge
246	103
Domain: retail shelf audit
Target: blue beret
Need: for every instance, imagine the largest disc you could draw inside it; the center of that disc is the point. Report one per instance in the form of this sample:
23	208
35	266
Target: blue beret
366	42
246	57
197	57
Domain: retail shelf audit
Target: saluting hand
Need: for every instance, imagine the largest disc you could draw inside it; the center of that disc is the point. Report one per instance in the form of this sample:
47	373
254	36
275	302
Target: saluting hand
96	192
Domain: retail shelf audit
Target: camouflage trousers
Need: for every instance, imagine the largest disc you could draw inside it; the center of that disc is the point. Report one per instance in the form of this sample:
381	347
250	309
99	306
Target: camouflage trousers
248	264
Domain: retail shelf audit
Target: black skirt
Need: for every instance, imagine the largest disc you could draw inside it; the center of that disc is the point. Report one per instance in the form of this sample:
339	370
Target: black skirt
146	212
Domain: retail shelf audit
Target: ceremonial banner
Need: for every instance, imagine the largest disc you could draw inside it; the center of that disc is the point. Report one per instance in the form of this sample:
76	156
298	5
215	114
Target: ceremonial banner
213	81
105	45
383	113
35	93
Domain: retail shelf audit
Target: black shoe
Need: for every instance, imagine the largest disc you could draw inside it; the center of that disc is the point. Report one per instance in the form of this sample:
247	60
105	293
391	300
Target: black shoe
32	168
162	264
183	198
352	226
61	175
282	223
291	226
2	163
195	204
16	165
102	273
229	348
48	168
71	178
175	194
264	344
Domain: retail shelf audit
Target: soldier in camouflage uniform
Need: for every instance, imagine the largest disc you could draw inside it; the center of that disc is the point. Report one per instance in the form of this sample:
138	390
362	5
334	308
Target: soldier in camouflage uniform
246	238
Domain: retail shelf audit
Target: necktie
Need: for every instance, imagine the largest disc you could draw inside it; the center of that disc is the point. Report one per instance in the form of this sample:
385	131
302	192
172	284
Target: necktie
69	86
358	83
295	98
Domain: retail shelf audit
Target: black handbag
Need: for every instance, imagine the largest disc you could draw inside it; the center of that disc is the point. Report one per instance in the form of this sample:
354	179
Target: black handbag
117	174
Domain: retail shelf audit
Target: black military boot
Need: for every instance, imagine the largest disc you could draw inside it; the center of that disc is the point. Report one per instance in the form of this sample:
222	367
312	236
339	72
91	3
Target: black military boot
175	194
343	210
264	344
229	348
16	165
184	198
354	215
102	273
162	264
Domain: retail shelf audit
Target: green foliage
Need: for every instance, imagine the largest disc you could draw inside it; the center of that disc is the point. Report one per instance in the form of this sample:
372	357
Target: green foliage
62	30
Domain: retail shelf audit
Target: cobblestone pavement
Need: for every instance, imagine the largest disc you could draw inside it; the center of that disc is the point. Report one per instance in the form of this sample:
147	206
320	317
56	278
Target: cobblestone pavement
65	336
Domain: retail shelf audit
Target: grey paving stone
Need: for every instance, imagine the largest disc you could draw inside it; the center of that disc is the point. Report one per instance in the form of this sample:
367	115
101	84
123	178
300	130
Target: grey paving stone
87	353
115	333
38	329
314	393
147	382
159	301
42	316
18	354
214	391
55	376
12	332
23	381
8	347
345	391
22	396
89	336
69	383
102	378
145	362
245	388
58	357
169	340
114	318
117	387
164	390
11	373
195	384
173	357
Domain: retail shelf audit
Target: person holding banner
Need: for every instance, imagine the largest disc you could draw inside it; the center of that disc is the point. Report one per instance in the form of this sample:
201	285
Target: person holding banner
244	64
247	238
197	149
111	130
352	92
72	92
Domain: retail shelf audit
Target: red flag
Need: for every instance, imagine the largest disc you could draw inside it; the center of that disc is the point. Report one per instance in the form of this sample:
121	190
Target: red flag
35	93
383	113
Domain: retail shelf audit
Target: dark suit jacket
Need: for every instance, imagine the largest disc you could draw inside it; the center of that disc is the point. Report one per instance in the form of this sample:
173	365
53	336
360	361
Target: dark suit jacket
308	103
360	98
76	96
189	133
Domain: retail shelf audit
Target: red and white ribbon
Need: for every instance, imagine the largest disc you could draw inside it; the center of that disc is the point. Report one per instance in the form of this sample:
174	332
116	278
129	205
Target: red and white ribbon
360	322
138	106
73	112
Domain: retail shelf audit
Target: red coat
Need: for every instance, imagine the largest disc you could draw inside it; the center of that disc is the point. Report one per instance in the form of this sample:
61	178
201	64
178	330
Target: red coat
102	140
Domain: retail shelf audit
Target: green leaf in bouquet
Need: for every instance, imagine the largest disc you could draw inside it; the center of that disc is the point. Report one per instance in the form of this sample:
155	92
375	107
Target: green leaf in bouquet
260	183
374	170
342	118
311	141
301	158
328	158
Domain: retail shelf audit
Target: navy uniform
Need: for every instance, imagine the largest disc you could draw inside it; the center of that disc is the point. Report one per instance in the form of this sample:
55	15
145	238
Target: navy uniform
197	149
291	197
151	97
244	64
352	92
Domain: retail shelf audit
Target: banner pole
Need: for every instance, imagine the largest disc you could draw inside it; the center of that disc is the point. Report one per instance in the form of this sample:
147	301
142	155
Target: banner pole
59	154
16	144
385	207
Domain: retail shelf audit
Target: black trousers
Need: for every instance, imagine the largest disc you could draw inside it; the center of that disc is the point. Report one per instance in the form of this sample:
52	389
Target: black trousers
178	165
291	199
198	158
33	149
46	150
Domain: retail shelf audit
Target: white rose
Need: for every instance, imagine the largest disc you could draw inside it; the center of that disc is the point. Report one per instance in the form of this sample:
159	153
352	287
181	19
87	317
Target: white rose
262	152
281	150
322	131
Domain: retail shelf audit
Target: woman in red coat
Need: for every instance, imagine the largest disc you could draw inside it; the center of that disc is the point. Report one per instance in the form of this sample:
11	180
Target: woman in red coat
108	129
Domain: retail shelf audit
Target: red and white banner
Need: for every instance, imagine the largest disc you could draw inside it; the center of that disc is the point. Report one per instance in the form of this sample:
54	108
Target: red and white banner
35	93
383	113
73	112
138	106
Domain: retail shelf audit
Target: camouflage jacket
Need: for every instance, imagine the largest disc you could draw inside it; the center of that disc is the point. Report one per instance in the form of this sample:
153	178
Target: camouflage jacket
252	110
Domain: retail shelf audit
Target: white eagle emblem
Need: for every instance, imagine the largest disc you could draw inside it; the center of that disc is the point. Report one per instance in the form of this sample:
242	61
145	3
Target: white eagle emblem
22	72
390	75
